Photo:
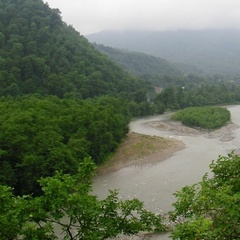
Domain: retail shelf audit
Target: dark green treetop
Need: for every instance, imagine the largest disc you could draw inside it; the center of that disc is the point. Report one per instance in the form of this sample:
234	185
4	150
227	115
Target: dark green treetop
42	54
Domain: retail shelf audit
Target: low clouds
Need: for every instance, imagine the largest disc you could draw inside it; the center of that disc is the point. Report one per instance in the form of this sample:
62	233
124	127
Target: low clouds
96	15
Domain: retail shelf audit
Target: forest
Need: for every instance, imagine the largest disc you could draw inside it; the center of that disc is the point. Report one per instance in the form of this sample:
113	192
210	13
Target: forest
42	135
65	108
208	50
41	54
140	63
60	98
176	97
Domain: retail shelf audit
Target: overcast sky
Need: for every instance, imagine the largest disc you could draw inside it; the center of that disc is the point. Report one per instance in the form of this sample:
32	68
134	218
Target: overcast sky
89	16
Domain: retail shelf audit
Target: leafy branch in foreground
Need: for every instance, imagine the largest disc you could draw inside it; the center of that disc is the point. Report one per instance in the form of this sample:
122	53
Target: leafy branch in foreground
210	209
67	204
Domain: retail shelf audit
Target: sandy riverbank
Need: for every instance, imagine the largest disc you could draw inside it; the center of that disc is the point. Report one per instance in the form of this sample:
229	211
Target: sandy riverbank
138	149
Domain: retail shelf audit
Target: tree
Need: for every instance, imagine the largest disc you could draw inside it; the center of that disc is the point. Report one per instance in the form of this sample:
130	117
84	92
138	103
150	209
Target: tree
210	209
53	58
67	203
39	136
167	98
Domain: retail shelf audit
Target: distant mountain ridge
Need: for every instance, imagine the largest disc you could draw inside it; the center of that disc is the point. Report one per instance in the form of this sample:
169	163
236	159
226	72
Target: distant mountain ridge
140	63
213	51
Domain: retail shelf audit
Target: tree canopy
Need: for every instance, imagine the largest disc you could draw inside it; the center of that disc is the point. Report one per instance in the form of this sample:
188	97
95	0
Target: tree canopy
139	63
42	54
203	117
64	108
41	135
67	209
210	209
196	94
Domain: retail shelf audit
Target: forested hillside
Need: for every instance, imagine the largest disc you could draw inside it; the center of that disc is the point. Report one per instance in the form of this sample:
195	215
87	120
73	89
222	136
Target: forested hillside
213	51
39	53
140	63
65	108
60	99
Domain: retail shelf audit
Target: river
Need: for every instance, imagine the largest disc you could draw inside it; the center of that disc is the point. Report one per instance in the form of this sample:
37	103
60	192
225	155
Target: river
155	184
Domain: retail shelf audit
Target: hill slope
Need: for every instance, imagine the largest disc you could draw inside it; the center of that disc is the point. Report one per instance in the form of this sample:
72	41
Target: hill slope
214	51
39	53
139	63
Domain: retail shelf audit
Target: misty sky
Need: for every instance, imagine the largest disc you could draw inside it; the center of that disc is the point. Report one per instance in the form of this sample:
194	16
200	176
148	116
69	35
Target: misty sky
89	16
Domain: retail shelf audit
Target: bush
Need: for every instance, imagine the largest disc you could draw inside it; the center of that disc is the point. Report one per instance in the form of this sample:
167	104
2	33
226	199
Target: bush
203	117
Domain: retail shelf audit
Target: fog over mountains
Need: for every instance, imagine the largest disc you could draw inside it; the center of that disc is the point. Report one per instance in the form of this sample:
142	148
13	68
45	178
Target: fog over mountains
139	63
213	51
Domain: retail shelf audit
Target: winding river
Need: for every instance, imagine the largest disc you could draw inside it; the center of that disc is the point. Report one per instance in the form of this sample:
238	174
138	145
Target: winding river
154	184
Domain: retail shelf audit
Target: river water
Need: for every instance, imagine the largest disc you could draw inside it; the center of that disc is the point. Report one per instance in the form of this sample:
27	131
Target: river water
155	184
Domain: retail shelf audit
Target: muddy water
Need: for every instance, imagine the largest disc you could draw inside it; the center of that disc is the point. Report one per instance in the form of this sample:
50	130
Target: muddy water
155	184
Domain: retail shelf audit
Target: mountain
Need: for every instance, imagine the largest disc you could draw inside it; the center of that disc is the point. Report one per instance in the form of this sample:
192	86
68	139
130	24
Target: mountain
157	71
213	51
61	100
39	53
139	63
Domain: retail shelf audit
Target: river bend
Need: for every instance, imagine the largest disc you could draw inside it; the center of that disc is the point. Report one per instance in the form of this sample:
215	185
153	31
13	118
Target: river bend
154	184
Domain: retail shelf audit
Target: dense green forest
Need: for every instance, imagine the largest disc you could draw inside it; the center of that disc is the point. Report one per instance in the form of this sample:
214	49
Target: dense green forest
41	54
176	97
140	63
42	135
65	108
181	86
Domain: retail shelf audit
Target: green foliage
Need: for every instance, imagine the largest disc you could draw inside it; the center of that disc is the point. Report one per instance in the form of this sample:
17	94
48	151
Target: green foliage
139	63
41	54
41	135
194	92
167	99
16	218
210	209
203	117
68	209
